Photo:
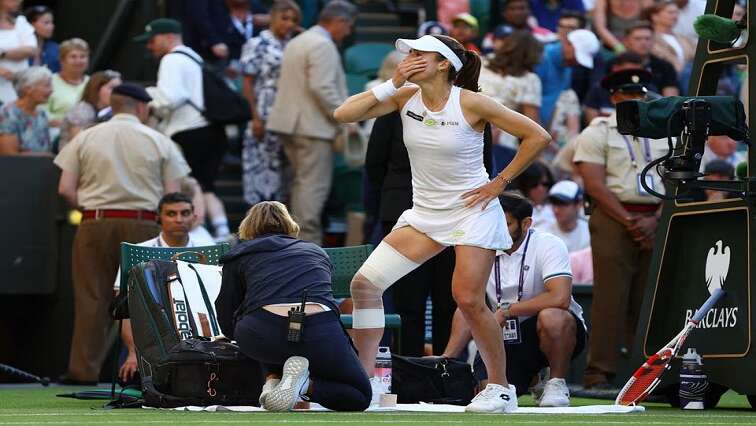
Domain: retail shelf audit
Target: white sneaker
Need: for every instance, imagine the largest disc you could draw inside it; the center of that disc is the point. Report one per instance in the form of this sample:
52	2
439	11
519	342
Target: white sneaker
537	391
269	385
555	394
376	385
293	384
494	399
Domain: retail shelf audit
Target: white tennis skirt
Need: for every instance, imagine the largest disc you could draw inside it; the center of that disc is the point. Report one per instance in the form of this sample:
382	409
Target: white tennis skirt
461	227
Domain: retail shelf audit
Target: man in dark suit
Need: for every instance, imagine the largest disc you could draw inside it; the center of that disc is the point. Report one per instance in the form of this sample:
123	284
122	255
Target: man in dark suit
217	29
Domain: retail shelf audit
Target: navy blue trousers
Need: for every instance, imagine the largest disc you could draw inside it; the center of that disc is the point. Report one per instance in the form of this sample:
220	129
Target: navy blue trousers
339	381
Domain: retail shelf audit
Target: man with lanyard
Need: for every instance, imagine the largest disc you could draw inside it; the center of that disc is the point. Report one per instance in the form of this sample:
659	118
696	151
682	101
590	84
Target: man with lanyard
622	225
530	288
175	216
116	173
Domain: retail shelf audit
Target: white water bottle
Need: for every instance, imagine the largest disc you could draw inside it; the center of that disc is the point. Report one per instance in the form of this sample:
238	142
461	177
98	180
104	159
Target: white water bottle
383	368
693	381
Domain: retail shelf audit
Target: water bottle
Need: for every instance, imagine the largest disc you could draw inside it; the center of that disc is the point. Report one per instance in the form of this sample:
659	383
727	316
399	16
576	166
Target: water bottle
383	368
693	381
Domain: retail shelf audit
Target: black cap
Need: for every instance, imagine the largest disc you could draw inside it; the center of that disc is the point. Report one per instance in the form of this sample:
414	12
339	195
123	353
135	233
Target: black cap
631	81
720	167
133	91
503	31
431	28
159	26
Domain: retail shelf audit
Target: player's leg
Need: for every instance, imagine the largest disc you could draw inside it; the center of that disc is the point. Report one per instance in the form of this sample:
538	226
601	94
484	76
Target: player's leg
471	272
402	251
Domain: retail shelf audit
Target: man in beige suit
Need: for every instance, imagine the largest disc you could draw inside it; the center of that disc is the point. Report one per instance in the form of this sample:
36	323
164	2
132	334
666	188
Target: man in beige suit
311	86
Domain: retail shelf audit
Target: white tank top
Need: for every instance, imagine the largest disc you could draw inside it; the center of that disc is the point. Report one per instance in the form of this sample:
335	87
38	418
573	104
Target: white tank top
445	153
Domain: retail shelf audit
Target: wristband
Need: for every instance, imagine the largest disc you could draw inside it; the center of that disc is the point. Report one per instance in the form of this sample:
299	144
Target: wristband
384	90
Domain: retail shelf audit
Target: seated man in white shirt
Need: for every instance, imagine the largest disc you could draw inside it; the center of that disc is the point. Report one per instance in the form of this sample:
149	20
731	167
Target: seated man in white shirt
175	216
530	289
566	200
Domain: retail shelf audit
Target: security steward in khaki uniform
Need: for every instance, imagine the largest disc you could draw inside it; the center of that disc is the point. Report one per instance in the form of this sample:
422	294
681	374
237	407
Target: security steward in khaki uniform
115	172
622	225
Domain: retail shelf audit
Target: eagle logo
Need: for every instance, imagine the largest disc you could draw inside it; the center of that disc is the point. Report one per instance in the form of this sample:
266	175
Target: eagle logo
717	266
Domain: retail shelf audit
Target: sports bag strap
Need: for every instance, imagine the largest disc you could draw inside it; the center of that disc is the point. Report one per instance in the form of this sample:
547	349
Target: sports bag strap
194	328
200	63
202	66
208	303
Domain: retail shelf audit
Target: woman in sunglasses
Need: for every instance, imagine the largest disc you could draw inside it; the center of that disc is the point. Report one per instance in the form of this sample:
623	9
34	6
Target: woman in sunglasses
534	183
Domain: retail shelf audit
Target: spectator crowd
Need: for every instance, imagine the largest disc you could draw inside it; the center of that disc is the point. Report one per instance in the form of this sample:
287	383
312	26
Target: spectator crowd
561	63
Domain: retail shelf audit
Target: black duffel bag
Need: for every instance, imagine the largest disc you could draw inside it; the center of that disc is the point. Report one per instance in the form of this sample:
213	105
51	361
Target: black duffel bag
201	372
436	380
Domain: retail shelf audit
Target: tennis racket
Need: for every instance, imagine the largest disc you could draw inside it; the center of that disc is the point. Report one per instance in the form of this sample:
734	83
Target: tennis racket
648	376
5	368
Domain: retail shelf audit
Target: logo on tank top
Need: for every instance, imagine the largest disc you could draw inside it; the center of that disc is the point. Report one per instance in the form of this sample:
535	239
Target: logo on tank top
430	122
414	116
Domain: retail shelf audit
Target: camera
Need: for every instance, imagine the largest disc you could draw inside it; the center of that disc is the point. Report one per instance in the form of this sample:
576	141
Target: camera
670	116
691	120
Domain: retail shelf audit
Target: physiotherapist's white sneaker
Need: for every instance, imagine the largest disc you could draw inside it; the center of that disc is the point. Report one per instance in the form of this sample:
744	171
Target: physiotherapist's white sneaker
293	384
555	394
269	385
494	399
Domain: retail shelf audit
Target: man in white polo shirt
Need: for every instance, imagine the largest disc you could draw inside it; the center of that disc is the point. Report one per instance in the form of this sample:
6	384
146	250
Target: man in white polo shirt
530	289
566	200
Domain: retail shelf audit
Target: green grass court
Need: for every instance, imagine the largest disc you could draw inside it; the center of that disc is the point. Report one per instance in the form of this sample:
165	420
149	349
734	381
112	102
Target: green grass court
31	405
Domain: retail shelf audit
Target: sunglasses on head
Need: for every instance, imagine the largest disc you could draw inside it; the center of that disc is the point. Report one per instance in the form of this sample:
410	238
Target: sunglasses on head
38	10
111	75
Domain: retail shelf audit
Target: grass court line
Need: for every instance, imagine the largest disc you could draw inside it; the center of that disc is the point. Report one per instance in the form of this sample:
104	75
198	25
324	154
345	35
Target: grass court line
497	421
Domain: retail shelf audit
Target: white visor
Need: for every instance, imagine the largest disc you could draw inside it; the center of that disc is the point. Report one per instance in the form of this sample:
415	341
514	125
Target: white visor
428	43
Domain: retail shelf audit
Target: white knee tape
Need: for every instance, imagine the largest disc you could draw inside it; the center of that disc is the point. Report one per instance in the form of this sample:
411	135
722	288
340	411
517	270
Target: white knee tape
368	318
386	266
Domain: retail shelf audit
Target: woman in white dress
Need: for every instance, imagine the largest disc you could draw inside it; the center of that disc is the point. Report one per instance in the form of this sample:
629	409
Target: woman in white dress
454	203
17	44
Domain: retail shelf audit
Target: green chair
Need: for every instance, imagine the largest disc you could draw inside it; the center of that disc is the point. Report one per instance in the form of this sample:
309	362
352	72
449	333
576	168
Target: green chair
132	254
356	83
346	262
366	58
346	189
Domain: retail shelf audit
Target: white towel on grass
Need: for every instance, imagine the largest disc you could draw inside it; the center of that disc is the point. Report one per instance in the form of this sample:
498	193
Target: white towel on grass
445	408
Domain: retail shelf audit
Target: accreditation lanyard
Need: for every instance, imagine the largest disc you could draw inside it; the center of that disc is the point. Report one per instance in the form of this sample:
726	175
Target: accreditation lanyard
246	29
646	151
521	284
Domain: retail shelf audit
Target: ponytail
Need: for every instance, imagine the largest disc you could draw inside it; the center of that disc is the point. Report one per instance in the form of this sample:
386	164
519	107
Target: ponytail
467	76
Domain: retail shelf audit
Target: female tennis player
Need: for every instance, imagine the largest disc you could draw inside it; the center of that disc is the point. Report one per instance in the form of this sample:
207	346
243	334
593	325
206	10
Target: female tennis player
454	203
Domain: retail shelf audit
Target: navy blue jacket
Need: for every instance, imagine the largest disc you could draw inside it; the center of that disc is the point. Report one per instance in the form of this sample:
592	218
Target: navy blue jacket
271	269
207	23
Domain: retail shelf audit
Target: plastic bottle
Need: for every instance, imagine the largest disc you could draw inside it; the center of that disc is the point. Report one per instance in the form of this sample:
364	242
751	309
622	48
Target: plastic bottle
693	381
383	367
